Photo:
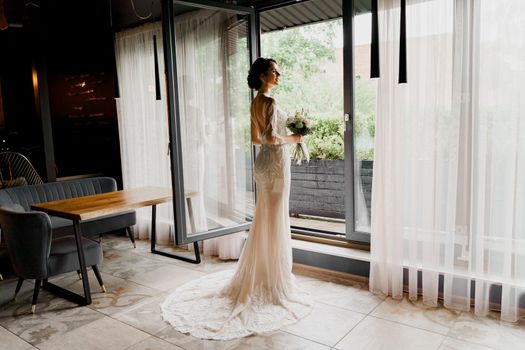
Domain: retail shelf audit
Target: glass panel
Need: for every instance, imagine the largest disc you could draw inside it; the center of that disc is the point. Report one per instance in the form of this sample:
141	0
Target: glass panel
212	62
310	59
365	91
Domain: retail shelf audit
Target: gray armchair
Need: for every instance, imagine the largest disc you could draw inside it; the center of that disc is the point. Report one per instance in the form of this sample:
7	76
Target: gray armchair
4	261
36	255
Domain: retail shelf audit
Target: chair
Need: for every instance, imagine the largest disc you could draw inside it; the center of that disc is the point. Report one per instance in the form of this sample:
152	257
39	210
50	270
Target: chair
4	261
53	191
36	255
17	170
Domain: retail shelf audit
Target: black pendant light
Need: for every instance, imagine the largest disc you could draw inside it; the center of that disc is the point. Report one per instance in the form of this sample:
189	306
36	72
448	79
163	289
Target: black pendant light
116	90
403	45
374	46
157	78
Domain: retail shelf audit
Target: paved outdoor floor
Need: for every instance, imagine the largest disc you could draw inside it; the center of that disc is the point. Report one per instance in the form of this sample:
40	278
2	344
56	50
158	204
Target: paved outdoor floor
337	226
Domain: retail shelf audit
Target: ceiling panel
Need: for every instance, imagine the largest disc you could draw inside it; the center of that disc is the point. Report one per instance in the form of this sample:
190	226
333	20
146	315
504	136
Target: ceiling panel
306	12
127	13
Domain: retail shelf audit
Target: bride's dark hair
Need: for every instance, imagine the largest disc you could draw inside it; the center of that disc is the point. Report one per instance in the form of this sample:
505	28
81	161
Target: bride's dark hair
260	66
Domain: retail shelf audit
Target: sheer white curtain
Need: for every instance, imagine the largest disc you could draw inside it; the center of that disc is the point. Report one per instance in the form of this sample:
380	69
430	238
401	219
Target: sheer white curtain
201	51
143	123
449	167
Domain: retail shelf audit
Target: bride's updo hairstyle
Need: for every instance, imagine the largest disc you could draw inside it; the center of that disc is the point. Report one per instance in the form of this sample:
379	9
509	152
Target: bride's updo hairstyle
260	66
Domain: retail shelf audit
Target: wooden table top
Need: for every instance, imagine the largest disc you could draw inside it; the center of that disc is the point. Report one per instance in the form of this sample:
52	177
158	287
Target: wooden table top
89	207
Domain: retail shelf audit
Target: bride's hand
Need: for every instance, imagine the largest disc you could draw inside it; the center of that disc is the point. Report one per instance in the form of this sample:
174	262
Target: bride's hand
298	138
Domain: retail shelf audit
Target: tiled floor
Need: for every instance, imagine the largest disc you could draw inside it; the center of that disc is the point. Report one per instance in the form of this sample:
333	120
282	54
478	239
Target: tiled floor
127	317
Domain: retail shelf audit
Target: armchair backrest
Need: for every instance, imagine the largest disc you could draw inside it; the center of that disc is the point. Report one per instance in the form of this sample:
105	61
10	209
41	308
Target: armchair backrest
16	170
28	237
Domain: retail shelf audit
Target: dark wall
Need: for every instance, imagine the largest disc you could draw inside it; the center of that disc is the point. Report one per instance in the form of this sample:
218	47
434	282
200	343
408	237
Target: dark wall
81	76
22	126
74	39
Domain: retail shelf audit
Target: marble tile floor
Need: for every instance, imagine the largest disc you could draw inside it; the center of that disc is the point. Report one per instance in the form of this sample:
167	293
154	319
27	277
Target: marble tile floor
345	316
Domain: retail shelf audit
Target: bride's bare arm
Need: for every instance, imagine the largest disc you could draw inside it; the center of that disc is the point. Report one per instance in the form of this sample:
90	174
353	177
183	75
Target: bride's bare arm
256	140
279	140
294	138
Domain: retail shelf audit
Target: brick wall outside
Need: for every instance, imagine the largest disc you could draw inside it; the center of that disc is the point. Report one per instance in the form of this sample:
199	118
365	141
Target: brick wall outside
318	187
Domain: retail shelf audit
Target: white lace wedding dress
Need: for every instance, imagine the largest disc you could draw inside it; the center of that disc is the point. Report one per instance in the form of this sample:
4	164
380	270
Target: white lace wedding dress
260	294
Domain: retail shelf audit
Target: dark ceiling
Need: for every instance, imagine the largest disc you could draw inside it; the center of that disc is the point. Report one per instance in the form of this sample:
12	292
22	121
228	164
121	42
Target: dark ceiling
130	13
296	13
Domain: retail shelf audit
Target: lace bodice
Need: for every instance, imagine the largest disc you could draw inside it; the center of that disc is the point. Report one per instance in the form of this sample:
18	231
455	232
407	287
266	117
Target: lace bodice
277	124
269	120
272	166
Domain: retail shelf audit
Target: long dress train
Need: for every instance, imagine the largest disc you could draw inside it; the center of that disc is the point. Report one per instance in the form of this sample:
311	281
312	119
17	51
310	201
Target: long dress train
260	295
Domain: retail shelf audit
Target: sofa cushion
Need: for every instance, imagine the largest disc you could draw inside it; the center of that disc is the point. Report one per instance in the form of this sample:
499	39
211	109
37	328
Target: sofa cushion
19	181
23	197
58	223
61	258
53	191
95	226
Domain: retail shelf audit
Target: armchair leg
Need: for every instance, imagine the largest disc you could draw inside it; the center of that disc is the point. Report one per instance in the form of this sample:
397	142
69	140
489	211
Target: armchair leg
99	277
131	237
35	295
18	286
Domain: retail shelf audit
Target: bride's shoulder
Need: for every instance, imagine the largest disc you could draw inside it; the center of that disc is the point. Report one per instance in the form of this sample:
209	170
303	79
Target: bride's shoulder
264	104
264	100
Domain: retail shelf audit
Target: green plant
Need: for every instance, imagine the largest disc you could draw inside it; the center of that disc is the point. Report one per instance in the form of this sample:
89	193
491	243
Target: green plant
326	140
365	154
312	81
306	57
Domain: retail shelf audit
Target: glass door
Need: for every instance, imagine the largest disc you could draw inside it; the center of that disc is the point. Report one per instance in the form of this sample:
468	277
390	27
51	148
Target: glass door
306	40
359	118
323	51
209	103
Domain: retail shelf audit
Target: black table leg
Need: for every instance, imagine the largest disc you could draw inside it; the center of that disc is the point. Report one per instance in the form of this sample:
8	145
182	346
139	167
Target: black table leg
153	227
82	261
197	259
86	299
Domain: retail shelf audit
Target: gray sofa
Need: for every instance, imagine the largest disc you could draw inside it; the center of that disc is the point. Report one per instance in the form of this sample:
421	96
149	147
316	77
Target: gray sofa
25	196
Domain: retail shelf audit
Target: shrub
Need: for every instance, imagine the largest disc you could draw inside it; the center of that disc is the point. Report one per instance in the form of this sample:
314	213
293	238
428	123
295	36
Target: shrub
326	140
365	154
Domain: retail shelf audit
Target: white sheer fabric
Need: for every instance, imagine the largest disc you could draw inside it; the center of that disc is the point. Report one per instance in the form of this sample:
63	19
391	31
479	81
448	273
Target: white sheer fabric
201	58
449	167
143	123
261	295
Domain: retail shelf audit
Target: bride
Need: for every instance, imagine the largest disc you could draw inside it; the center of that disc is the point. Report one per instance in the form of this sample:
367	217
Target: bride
260	295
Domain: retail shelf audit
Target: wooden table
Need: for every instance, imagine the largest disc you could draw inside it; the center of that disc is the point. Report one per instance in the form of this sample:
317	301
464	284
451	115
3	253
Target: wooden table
90	207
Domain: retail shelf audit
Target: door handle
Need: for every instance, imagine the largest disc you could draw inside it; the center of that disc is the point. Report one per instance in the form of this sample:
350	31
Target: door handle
346	118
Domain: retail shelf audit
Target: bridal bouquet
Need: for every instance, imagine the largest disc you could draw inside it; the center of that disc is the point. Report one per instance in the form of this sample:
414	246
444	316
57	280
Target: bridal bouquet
299	124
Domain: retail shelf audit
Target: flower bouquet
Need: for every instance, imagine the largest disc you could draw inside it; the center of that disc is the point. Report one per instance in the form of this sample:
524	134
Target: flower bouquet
299	124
